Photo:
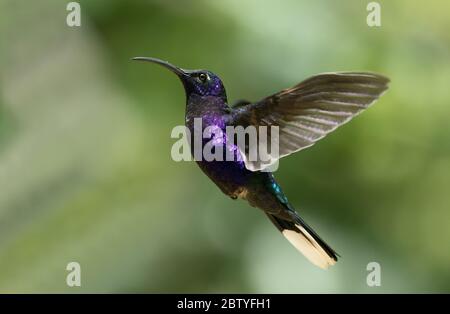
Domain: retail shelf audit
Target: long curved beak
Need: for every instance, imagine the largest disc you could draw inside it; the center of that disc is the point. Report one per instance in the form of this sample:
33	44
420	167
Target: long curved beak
178	71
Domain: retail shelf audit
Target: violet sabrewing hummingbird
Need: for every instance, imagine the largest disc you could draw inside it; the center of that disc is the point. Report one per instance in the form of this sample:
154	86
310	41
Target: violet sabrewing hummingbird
303	114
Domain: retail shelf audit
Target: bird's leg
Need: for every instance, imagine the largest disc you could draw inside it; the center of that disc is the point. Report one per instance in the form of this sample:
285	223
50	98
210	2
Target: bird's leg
240	192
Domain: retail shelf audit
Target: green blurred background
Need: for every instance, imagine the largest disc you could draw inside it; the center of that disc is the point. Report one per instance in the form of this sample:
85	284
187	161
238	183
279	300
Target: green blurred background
85	167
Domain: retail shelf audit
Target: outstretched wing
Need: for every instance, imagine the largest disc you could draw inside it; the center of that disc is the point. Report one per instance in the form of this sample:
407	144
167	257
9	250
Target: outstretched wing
240	103
310	110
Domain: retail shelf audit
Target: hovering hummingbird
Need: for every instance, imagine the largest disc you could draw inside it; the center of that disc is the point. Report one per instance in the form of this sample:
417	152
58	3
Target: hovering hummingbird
304	114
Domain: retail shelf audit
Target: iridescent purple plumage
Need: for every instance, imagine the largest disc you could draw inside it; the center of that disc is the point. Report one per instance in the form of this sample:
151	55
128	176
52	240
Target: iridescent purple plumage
213	112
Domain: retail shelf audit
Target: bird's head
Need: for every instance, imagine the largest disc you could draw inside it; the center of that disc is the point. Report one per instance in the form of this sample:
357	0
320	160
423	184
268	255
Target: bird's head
195	82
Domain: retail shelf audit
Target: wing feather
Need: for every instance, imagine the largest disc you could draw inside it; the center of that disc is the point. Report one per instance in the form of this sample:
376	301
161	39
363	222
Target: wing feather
310	110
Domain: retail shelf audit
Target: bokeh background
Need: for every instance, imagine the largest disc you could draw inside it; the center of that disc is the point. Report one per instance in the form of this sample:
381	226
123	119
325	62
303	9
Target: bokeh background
85	167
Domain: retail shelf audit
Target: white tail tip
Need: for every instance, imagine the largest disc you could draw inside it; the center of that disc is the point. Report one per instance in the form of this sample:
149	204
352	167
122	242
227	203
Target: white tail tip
309	247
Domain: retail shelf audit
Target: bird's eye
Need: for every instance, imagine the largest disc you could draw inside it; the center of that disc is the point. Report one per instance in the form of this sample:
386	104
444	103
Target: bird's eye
203	77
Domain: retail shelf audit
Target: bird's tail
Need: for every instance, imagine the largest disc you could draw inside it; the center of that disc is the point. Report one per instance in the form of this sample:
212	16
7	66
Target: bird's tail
305	240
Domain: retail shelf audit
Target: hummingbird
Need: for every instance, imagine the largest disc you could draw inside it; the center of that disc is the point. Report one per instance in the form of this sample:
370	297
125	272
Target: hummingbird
304	114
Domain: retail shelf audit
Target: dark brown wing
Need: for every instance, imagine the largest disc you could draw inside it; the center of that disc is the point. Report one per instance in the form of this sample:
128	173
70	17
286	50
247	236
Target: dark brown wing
310	110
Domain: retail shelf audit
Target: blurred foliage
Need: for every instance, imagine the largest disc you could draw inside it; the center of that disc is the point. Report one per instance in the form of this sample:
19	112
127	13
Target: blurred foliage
85	163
